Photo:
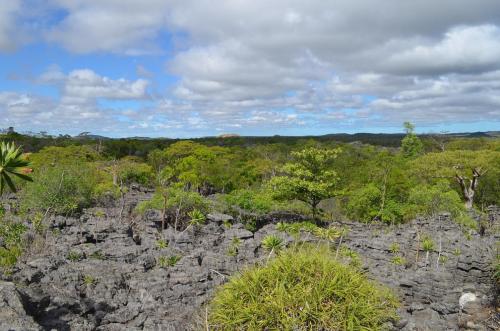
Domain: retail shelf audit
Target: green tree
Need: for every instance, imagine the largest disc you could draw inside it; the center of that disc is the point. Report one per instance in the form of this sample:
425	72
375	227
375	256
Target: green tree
308	178
411	145
12	163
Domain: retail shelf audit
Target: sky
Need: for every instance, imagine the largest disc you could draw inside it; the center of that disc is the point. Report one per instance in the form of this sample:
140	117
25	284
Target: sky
183	68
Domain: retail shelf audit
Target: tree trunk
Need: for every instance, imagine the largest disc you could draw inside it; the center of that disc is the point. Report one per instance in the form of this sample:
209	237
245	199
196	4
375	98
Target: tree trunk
469	189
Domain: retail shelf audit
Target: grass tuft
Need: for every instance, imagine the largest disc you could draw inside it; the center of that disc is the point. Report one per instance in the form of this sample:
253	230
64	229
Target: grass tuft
303	288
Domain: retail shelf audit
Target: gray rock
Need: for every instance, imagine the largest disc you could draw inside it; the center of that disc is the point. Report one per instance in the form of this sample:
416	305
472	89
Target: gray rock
118	284
13	315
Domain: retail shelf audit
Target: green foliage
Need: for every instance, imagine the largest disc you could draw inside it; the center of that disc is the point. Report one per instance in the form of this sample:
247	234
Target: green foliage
196	217
296	227
249	200
60	189
161	244
64	180
309	178
170	261
106	188
394	248
365	205
131	170
89	280
427	244
205	169
398	260
12	164
352	257
233	248
443	259
301	289
411	145
272	243
37	221
74	256
429	201
11	234
433	167
179	202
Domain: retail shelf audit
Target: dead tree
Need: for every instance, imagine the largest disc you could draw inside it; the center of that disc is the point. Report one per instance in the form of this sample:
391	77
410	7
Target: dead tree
469	186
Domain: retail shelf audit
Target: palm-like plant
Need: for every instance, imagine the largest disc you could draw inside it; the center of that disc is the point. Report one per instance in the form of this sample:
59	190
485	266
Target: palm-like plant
12	162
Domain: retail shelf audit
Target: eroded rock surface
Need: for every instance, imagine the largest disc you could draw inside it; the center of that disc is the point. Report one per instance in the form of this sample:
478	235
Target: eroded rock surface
98	272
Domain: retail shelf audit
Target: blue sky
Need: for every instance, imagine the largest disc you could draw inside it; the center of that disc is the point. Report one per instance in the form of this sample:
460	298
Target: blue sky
195	68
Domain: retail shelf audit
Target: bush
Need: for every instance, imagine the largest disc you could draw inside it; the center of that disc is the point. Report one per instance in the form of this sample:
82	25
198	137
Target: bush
429	201
63	189
365	205
186	200
131	171
11	234
249	200
302	289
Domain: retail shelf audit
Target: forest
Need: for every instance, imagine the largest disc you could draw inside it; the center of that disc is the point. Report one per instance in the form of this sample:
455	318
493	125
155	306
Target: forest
324	181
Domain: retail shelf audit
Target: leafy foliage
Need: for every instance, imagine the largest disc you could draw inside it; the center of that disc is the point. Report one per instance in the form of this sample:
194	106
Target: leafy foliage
431	200
304	289
11	235
61	189
309	178
411	145
12	163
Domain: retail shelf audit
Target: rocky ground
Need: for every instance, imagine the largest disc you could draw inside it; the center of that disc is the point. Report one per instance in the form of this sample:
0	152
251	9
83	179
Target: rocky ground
99	273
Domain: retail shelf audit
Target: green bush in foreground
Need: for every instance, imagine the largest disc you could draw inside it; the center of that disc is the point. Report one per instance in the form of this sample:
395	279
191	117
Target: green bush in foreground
302	289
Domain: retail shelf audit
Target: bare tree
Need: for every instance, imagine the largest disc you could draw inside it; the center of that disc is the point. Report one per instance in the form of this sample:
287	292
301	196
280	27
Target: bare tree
469	186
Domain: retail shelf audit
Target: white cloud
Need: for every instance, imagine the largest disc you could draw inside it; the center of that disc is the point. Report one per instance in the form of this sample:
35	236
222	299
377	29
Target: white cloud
8	10
277	65
463	49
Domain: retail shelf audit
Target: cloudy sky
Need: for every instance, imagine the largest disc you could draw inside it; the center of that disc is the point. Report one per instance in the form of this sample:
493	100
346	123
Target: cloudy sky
182	68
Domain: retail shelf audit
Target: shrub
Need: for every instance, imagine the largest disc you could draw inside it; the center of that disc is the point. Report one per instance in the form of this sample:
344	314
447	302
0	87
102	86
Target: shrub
302	289
249	200
11	234
365	205
131	171
62	189
431	200
186	200
295	228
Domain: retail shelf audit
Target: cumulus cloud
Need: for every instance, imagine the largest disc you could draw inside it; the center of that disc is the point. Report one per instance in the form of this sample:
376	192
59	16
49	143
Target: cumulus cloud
282	64
77	107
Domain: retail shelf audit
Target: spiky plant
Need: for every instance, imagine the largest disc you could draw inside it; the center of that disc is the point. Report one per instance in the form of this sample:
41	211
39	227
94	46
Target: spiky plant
272	243
12	162
197	217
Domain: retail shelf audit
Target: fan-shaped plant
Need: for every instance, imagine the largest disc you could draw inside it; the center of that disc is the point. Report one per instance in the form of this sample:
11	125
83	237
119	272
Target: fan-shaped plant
197	217
272	243
12	162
